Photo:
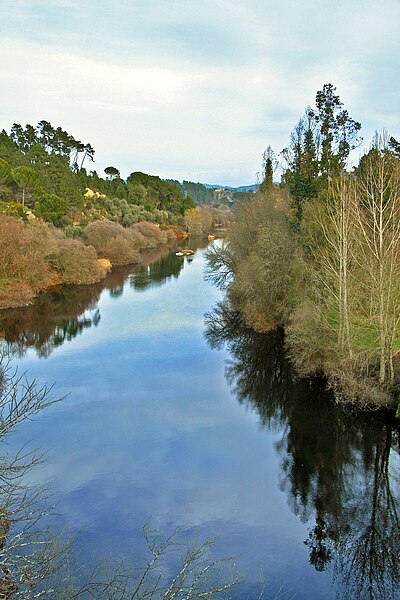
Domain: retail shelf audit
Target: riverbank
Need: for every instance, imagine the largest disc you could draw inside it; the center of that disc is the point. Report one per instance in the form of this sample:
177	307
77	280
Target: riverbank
315	279
35	257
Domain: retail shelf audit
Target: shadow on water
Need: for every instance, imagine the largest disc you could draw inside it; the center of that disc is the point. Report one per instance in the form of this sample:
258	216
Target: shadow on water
339	468
64	312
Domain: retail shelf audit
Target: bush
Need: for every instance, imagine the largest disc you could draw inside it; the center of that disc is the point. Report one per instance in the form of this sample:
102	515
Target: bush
15	293
76	263
264	251
73	231
151	233
171	235
13	210
113	242
22	253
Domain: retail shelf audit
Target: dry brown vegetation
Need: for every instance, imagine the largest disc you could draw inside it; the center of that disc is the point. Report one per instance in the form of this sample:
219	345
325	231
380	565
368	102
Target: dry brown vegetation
76	263
151	233
122	246
203	219
35	256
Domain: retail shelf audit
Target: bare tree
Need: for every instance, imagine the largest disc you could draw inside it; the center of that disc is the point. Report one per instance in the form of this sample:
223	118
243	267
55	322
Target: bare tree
378	222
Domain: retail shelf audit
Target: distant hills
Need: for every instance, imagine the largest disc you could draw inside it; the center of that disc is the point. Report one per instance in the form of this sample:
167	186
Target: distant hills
212	194
242	188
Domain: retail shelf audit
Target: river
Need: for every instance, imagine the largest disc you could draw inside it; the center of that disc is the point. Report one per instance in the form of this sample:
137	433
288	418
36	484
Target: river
174	419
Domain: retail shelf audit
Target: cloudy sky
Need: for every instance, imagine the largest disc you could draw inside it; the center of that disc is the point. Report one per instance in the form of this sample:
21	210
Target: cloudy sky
195	89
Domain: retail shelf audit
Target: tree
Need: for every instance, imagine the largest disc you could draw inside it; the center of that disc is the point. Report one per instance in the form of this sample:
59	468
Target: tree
26	178
51	208
394	146
337	129
378	222
328	234
5	172
88	153
111	172
319	147
269	166
301	157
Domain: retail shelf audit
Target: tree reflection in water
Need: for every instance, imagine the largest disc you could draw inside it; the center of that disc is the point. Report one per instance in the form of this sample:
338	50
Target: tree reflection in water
64	312
337	464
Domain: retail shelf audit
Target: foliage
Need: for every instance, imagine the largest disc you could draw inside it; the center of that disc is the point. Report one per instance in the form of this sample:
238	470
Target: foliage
51	208
23	266
113	242
269	166
26	179
111	172
326	267
13	210
263	249
151	234
76	263
37	162
158	194
33	256
52	141
203	219
319	147
197	192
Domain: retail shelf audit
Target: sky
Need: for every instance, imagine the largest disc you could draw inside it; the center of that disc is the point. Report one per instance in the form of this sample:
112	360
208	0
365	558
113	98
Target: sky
195	89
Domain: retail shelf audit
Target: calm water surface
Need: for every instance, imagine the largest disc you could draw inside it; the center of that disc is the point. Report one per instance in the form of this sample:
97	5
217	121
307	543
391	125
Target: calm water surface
174	419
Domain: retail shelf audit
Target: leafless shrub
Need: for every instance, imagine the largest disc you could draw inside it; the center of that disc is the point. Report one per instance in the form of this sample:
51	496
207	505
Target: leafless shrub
76	263
151	232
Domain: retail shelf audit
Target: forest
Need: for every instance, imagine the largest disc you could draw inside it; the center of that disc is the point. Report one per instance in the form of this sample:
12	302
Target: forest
317	254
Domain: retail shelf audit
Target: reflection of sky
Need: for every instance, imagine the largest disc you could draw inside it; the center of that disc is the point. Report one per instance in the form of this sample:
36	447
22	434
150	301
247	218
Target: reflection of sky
150	431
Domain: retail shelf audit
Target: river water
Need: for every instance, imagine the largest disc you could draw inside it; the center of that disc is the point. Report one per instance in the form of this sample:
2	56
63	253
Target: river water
174	419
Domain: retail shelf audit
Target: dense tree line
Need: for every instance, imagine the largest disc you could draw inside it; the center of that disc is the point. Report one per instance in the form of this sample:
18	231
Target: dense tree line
42	169
318	254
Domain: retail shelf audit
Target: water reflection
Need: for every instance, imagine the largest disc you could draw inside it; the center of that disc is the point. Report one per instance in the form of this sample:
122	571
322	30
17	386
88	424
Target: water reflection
57	316
157	272
64	312
338	468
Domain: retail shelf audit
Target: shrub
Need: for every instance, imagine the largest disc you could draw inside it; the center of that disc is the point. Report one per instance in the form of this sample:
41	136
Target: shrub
151	232
120	251
112	241
76	263
13	209
22	253
73	231
171	235
264	251
15	293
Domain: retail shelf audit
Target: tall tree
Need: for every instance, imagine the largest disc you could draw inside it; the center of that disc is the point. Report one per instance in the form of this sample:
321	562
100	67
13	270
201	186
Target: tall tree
378	221
269	166
26	179
301	157
337	129
111	172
